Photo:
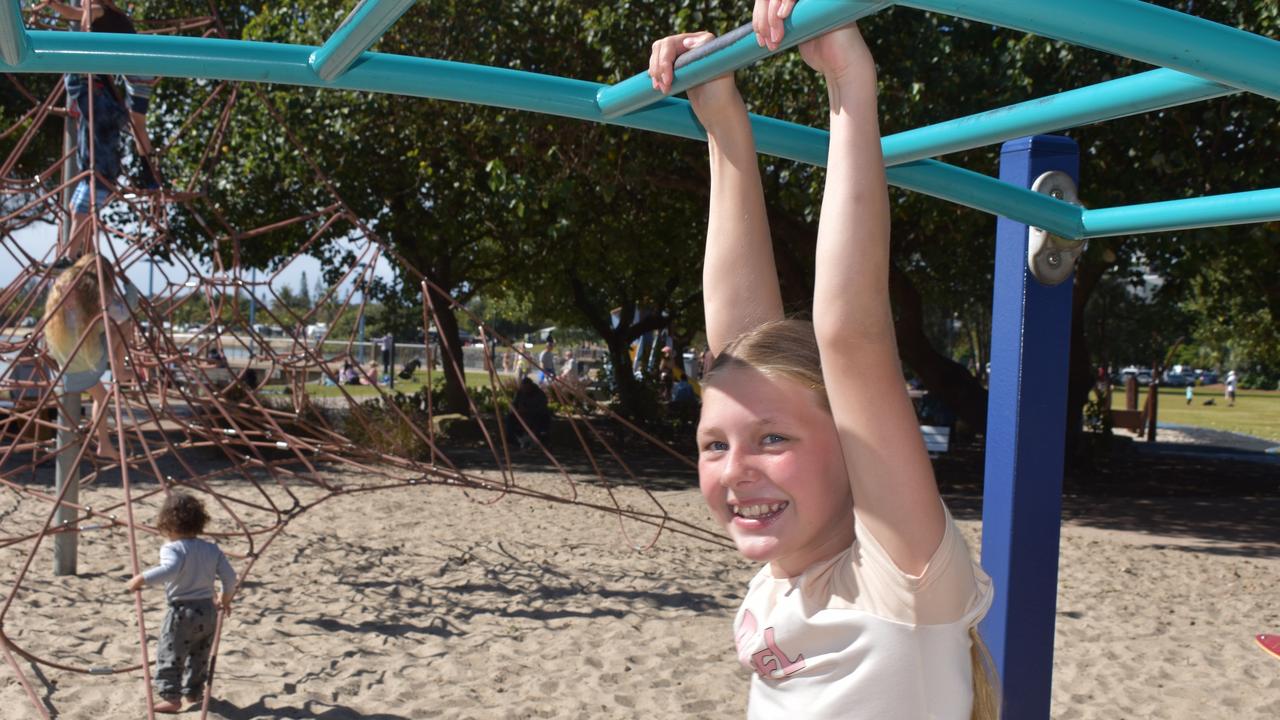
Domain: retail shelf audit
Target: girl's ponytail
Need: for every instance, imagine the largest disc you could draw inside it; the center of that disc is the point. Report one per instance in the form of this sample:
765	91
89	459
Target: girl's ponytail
986	685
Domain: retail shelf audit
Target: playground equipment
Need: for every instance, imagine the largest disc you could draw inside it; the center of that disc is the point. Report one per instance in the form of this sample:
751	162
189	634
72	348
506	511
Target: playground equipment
1197	60
1131	418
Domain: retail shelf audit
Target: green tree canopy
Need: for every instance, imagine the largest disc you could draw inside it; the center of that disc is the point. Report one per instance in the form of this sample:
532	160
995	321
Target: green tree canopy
574	220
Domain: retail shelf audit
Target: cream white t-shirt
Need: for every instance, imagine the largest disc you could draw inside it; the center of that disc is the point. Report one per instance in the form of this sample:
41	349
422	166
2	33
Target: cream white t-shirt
854	637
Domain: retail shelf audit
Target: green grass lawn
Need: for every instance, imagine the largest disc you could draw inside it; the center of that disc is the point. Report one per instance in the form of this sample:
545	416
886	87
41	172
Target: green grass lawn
408	387
1256	412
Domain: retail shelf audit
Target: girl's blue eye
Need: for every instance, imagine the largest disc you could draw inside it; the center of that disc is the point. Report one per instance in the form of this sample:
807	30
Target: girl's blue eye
772	438
716	446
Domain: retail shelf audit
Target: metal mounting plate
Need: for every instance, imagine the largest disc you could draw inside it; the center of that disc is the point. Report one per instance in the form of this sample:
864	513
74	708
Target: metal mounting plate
1052	258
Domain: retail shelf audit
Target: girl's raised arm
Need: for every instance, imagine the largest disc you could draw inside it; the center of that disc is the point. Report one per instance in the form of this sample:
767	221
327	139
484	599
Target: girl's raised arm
739	279
894	491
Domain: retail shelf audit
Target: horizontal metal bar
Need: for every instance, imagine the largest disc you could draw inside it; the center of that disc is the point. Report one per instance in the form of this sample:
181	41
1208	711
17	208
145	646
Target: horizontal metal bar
1212	211
809	18
1109	100
357	33
240	60
1137	30
981	192
14	46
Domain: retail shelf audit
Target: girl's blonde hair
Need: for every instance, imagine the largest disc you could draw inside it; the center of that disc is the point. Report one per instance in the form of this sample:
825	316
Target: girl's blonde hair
789	348
779	348
73	303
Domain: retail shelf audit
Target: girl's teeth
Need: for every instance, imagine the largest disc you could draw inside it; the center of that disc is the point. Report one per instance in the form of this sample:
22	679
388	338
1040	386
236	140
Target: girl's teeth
755	511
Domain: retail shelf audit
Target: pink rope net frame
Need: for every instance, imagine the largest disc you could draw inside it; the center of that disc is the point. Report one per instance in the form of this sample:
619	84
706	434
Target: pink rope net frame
182	415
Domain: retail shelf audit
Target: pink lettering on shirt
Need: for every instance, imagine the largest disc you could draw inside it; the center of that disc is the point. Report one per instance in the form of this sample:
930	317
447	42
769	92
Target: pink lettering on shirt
772	662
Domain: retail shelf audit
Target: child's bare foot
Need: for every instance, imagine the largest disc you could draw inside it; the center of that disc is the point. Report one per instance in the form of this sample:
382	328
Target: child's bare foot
168	707
107	451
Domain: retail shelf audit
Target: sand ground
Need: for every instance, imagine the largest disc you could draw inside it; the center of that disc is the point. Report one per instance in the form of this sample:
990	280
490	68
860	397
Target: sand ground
421	603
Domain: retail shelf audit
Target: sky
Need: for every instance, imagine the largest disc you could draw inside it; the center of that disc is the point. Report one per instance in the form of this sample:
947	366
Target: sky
37	239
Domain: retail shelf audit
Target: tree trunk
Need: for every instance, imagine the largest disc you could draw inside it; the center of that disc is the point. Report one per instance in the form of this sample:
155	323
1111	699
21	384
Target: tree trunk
630	391
1080	376
446	321
634	404
455	383
950	381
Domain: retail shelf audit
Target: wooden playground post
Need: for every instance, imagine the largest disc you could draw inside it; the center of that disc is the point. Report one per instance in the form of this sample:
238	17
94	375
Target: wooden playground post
1153	397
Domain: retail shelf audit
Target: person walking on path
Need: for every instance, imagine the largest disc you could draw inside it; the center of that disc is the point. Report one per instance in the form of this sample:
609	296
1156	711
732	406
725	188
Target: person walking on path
547	361
387	344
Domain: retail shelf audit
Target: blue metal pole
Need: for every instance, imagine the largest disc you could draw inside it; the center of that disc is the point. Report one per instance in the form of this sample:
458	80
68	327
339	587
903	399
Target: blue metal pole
241	60
1109	100
1026	422
1231	209
1138	30
808	19
14	46
357	33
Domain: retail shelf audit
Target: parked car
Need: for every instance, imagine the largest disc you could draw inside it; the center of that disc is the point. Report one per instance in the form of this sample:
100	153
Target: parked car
1142	375
1178	379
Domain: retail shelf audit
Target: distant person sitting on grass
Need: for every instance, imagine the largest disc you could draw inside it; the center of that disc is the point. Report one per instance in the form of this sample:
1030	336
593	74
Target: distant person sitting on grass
188	567
568	377
568	371
349	374
410	368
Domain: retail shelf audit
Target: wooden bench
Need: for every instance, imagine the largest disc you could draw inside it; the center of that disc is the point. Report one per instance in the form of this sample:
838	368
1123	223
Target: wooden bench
1135	420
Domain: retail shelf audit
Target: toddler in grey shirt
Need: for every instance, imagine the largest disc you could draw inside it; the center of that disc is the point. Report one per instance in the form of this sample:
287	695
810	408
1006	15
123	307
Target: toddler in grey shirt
188	566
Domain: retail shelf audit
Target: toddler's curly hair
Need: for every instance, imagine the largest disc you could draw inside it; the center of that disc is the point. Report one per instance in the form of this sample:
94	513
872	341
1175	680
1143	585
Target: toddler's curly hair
182	515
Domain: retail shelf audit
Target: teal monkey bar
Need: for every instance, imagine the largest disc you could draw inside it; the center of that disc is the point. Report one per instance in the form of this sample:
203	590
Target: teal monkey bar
357	33
14	47
808	19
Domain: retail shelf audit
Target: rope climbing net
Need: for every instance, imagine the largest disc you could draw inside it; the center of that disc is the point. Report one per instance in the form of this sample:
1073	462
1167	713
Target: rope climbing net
222	408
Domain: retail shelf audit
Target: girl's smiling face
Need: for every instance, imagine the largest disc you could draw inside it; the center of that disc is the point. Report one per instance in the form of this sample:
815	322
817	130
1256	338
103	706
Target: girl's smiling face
771	469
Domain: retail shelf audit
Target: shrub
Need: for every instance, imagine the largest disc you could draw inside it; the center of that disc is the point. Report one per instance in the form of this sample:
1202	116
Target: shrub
387	425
